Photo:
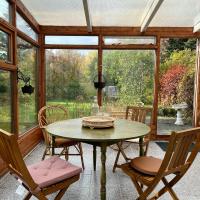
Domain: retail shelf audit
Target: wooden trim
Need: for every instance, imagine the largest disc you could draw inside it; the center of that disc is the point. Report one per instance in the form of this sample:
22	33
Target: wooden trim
29	139
120	31
100	61
125	47
27	38
26	143
41	83
87	15
7	67
56	46
24	12
10	33
197	87
156	87
7	25
14	106
14	81
162	137
149	14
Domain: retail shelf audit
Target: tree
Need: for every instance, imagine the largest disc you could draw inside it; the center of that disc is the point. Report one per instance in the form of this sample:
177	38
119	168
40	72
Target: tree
169	84
132	73
186	93
169	45
67	72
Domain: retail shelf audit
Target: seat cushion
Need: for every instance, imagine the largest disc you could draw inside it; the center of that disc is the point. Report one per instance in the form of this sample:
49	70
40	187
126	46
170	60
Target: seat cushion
52	170
146	164
62	142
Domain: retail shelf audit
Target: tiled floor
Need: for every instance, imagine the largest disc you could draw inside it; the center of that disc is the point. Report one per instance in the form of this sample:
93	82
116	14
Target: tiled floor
119	186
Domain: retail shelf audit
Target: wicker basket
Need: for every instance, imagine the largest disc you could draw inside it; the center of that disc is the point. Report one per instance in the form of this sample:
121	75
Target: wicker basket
98	122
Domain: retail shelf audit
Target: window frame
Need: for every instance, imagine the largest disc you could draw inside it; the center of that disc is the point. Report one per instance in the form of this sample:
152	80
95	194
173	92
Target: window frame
10	34
24	34
10	15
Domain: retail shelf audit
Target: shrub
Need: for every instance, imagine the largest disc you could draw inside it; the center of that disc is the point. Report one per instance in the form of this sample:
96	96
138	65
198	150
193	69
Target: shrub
169	84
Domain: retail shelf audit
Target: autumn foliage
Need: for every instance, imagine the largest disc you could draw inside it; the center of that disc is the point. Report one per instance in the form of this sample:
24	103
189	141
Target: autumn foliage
169	84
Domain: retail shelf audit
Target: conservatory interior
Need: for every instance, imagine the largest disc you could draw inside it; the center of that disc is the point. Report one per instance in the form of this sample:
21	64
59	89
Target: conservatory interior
87	87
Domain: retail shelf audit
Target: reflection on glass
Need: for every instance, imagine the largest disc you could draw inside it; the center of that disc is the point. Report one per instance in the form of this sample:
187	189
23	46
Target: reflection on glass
4	46
4	10
69	79
123	40
27	64
72	40
5	101
23	26
129	76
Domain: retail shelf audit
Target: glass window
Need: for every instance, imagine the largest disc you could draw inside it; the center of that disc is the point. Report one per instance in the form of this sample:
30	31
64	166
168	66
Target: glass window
176	91
72	40
5	10
5	101
69	79
23	26
27	64
123	40
4	46
129	76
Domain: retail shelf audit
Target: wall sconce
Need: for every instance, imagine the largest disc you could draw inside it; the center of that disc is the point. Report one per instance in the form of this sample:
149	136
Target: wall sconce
27	88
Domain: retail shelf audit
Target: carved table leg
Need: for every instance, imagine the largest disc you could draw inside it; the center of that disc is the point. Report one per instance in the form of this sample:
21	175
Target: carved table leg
141	146
94	156
103	172
53	145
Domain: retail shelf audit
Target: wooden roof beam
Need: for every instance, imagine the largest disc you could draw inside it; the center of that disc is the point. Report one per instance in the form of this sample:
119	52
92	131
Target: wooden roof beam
149	13
87	15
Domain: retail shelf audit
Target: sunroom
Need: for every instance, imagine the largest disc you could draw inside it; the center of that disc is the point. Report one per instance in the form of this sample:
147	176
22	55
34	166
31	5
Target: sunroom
115	79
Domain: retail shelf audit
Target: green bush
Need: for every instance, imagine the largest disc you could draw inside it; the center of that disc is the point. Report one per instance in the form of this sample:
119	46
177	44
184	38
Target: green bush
167	112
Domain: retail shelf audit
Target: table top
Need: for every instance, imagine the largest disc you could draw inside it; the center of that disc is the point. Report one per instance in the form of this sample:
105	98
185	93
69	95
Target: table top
122	130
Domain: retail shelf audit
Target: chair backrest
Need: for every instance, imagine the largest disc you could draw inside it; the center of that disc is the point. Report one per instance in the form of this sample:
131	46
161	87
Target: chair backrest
49	114
181	152
10	153
138	114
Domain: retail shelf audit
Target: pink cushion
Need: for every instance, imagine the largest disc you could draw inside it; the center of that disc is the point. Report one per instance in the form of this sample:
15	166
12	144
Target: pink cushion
52	170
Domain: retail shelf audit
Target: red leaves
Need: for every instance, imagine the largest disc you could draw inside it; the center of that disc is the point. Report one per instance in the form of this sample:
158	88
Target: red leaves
169	84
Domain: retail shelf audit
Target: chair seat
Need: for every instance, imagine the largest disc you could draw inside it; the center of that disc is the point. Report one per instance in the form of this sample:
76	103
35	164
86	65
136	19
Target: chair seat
146	164
52	171
133	173
62	142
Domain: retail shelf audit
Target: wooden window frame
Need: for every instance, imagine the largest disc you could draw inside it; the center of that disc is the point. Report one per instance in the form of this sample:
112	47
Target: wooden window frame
8	64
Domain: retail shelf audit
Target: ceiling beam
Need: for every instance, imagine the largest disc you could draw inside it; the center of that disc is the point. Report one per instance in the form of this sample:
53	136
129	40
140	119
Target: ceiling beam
87	15
149	13
196	26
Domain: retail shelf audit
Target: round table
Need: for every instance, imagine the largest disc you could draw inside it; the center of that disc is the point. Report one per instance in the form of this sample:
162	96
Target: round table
122	130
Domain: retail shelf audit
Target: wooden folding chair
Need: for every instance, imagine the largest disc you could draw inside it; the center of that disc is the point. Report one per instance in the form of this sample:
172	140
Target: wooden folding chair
50	114
149	171
138	114
41	179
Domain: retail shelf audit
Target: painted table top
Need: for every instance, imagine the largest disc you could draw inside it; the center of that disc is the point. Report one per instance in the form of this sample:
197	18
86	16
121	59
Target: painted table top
122	130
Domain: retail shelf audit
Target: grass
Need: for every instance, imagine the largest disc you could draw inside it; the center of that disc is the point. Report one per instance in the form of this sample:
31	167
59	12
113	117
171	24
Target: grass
75	109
